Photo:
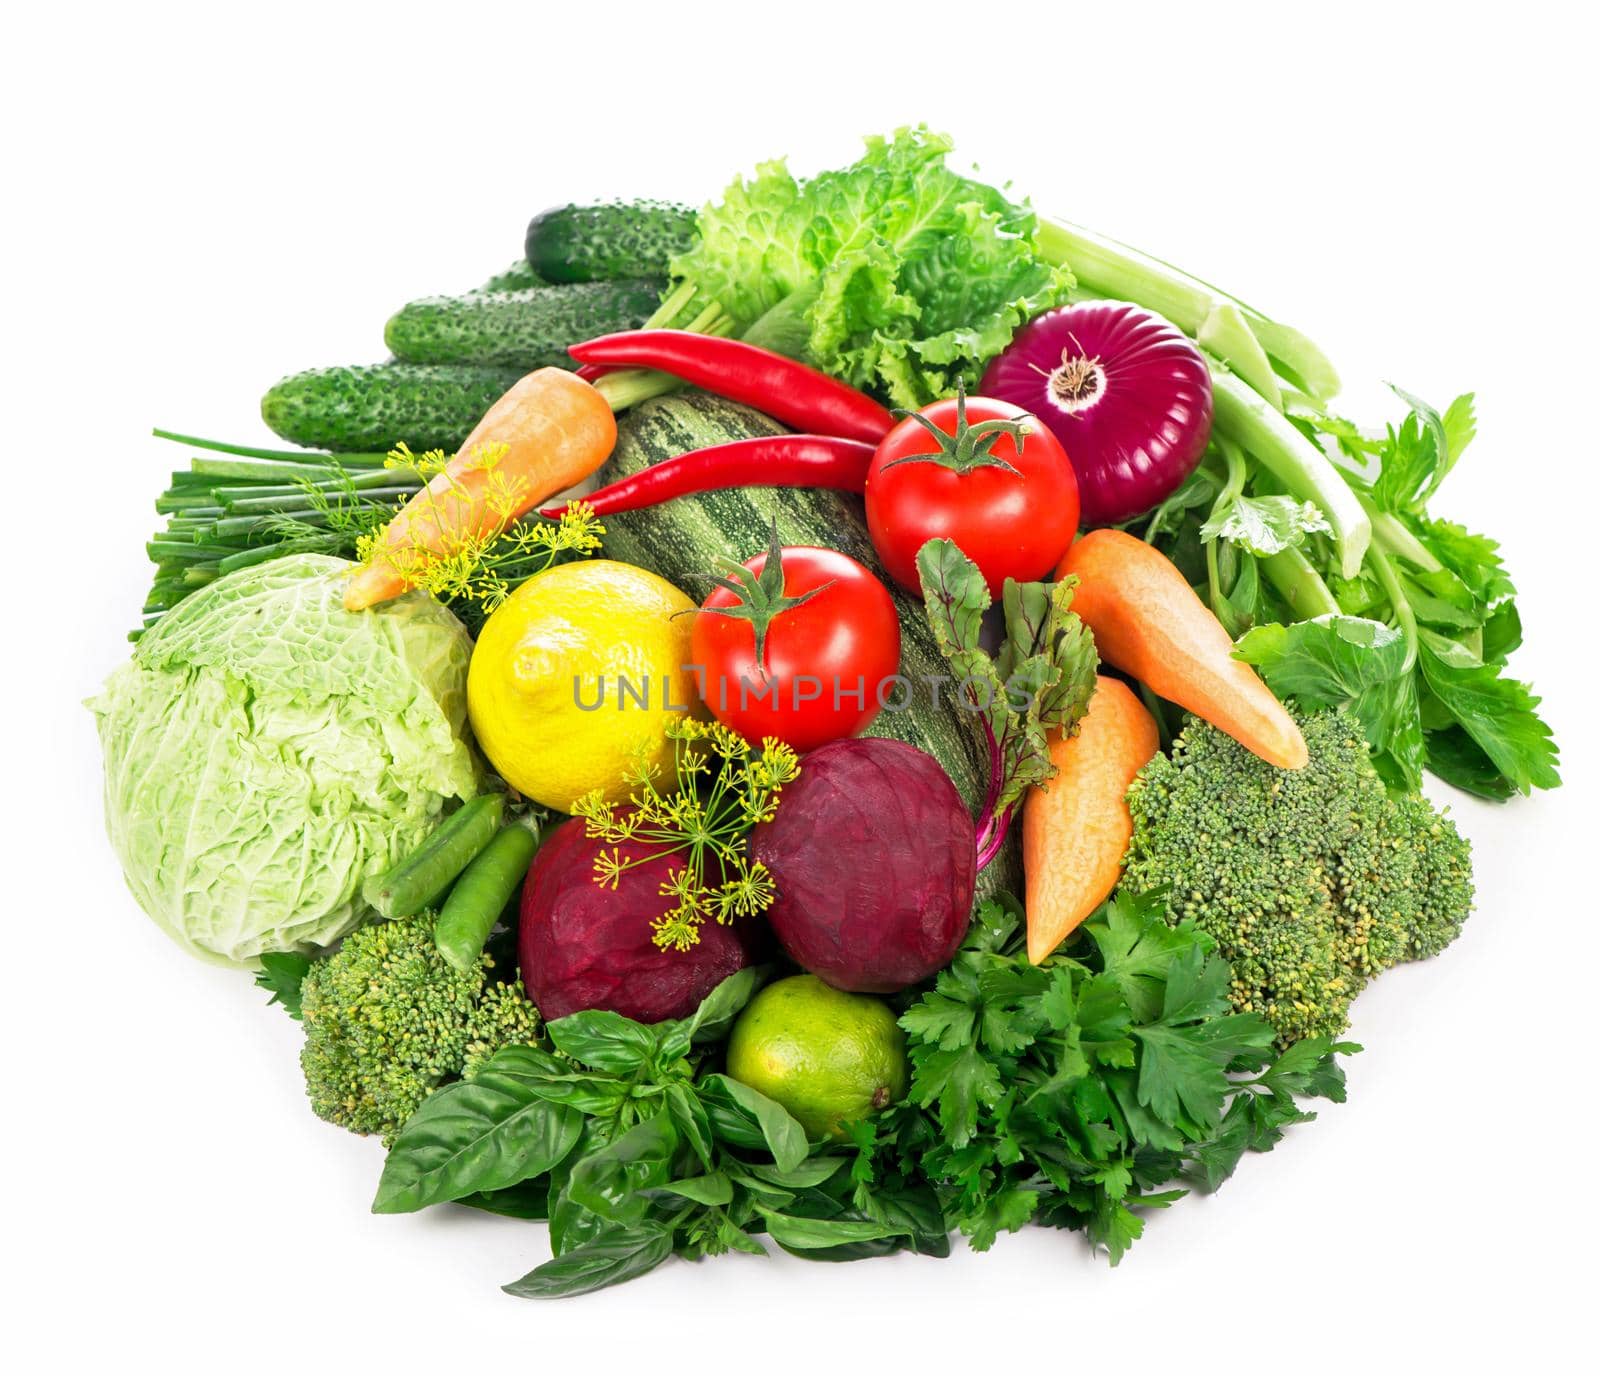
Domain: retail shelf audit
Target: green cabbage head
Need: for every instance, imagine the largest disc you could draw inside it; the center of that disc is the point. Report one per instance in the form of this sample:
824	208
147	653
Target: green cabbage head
266	751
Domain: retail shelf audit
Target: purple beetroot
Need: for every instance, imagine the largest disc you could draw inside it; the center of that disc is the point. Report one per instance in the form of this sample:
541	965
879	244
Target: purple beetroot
875	859
583	946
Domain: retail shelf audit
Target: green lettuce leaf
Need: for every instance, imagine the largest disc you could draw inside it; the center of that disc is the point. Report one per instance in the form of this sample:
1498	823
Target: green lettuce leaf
894	273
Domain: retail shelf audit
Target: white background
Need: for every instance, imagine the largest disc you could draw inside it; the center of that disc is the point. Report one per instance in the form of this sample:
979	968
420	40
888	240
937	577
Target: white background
198	202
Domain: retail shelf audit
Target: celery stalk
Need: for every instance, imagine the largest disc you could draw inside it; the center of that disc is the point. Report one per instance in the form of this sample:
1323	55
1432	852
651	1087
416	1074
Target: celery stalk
1241	336
1240	414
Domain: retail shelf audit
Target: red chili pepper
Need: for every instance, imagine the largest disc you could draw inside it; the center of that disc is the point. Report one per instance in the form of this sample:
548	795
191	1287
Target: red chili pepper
592	372
787	391
771	461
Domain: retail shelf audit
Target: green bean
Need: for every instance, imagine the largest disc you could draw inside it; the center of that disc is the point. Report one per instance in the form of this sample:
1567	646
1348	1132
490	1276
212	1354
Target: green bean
480	895
421	879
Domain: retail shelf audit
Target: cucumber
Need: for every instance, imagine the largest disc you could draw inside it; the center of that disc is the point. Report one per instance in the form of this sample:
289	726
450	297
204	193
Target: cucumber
372	408
517	277
682	539
594	243
518	329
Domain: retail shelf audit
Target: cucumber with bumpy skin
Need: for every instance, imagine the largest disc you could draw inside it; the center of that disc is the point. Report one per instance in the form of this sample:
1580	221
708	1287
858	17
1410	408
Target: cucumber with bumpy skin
682	540
518	329
518	277
372	408
594	243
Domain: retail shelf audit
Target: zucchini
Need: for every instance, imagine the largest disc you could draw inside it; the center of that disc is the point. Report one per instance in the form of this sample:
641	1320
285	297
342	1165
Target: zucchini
518	329
594	243
517	277
682	539
372	408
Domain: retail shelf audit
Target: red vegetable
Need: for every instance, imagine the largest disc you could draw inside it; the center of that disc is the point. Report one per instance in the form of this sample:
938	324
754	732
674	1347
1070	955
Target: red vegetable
1127	394
798	396
873	855
983	473
581	945
767	461
801	644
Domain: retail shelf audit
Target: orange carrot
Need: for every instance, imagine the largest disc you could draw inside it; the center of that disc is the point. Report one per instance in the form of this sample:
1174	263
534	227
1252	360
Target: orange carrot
1148	622
556	429
1076	828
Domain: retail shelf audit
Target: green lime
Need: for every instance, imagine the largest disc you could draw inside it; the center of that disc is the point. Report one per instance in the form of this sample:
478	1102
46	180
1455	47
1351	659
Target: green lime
828	1057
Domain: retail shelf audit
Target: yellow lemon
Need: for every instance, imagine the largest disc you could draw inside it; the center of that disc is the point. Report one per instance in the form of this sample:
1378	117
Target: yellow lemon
576	676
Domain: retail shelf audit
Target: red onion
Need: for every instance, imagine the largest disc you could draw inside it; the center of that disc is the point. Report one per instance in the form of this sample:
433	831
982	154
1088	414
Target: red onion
1126	392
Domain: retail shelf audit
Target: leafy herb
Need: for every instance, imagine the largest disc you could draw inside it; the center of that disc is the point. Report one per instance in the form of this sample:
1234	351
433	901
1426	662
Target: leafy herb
1075	1092
1415	644
281	974
708	827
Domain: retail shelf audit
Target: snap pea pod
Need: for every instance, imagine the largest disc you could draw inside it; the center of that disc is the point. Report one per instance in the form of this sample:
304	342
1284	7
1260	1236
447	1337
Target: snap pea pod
422	878
480	895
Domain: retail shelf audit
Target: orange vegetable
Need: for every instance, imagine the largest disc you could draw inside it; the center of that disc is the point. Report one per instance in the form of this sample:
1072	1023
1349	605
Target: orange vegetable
557	430
1148	622
1076	829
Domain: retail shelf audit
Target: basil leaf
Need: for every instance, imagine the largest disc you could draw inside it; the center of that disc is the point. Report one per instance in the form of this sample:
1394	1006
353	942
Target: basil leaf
603	1039
529	1200
810	1234
617	1255
476	1136
689	1117
713	1190
734	1107
807	1175
711	1020
606	1182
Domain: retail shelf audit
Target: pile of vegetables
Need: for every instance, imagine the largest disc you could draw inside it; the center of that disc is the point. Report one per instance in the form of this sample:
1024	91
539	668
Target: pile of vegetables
970	790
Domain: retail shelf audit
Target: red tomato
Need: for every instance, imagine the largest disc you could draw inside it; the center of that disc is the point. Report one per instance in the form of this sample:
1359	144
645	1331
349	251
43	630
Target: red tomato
1013	509
829	650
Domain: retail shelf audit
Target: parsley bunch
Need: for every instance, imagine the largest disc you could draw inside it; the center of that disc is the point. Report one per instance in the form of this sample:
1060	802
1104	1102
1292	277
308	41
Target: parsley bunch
1076	1092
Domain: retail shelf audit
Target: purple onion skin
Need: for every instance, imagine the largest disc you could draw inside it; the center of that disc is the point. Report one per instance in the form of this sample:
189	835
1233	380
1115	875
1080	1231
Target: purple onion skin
583	946
874	858
1125	391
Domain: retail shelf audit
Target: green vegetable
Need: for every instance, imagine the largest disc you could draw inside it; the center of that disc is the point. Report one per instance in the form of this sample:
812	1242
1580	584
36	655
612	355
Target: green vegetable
283	973
1073	1093
593	243
1252	346
375	407
421	879
894	273
266	751
1311	881
1040	681
641	1151
684	540
388	1021
518	329
480	895
518	277
1415	645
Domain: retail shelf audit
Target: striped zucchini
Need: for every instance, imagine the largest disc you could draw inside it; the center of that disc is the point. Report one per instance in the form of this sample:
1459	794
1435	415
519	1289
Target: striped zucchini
682	539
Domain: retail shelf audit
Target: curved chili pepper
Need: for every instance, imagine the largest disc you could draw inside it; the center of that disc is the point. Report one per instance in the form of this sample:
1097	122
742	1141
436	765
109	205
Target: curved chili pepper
787	391
769	461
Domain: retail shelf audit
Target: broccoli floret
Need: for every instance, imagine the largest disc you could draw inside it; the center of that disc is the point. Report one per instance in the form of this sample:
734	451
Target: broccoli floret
1311	881
388	1020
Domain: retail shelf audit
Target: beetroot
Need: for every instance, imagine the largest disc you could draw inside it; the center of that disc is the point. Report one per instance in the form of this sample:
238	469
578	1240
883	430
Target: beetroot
584	946
875	860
